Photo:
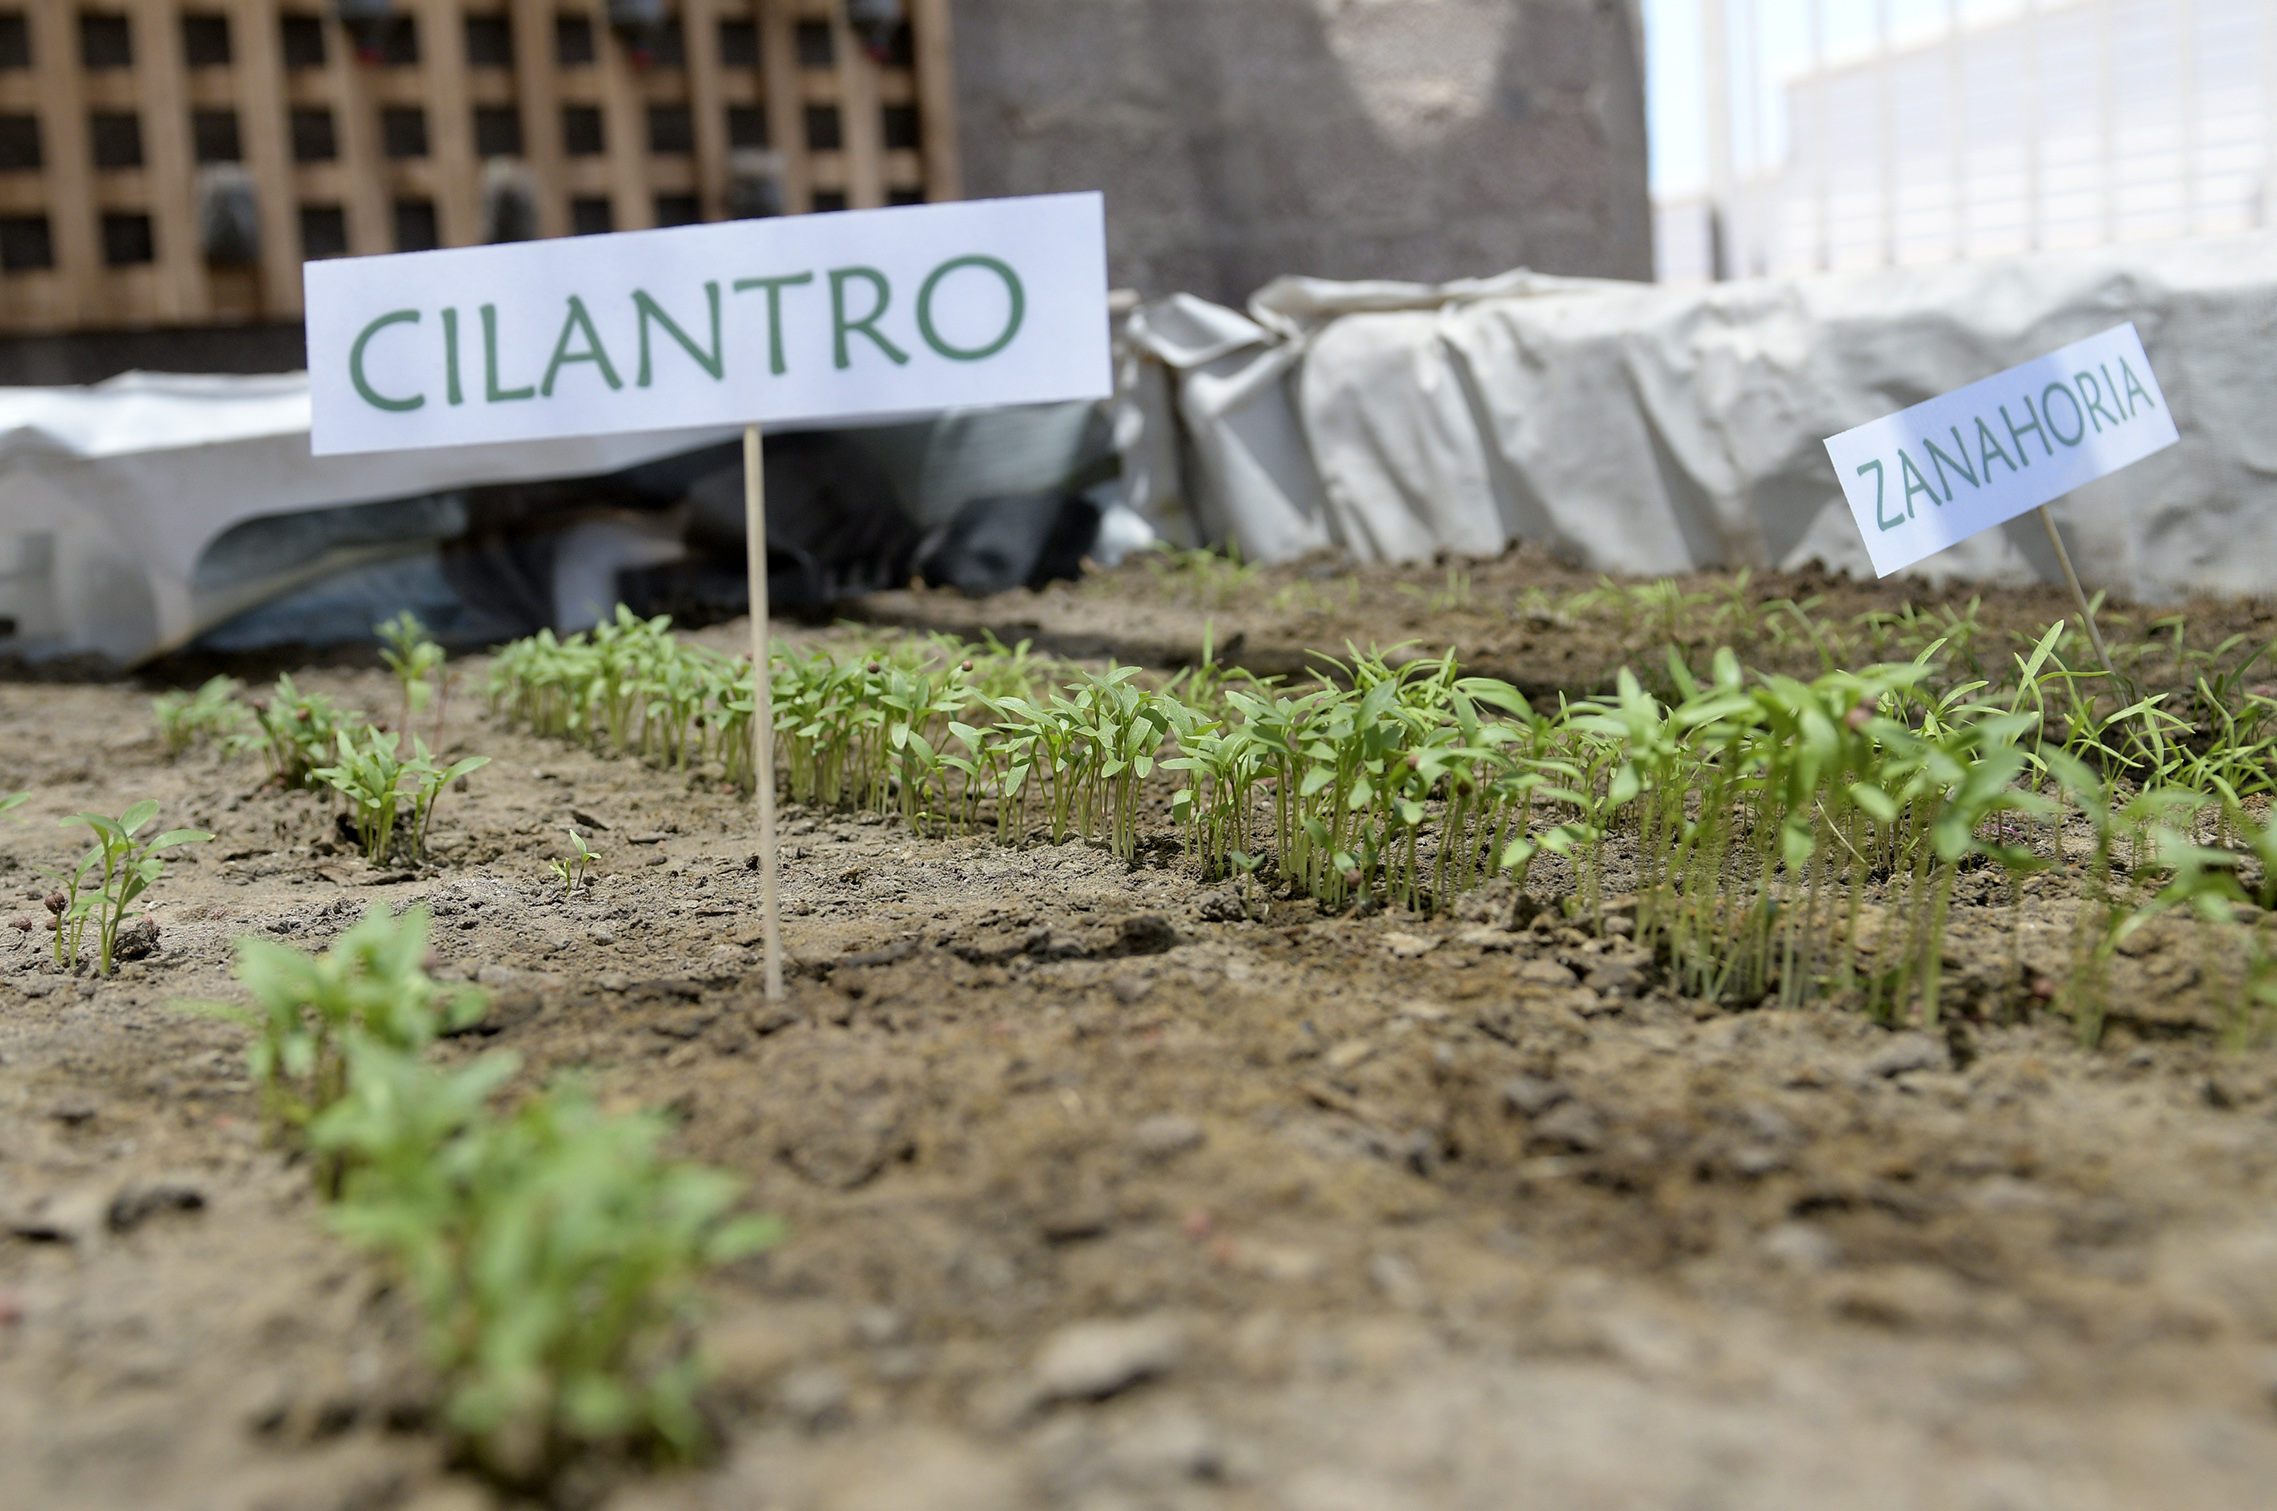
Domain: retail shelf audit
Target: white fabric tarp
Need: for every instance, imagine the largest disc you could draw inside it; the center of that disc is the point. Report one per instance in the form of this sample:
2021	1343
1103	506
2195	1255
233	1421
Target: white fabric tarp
1637	428
109	494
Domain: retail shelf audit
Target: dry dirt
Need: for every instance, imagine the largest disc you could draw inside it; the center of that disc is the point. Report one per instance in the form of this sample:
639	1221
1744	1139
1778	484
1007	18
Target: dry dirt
1104	1196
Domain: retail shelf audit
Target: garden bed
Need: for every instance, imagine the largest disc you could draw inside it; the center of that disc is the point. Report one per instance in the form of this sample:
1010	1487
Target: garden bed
1110	1183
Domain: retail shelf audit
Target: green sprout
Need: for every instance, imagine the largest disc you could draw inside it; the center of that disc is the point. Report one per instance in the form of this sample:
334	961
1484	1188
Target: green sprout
571	873
372	983
121	868
212	715
415	660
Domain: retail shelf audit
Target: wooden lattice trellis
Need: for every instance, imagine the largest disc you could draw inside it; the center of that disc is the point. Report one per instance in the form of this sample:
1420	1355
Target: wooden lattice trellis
374	137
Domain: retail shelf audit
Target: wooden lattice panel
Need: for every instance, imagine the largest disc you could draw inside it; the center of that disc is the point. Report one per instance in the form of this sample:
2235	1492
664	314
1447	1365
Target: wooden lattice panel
110	110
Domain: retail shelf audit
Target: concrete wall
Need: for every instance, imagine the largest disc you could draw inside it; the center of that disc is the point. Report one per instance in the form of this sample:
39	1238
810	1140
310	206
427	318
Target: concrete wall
1241	139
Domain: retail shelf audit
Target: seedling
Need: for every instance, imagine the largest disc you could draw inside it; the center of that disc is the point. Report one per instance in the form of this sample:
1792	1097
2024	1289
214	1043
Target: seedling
300	732
212	715
572	872
122	868
372	984
553	1252
415	660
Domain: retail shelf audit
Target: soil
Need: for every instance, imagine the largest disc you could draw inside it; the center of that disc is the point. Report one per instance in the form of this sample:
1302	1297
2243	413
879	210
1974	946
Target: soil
1111	1190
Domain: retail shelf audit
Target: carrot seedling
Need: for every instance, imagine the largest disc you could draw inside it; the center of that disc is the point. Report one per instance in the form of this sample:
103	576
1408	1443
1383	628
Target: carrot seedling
128	867
572	872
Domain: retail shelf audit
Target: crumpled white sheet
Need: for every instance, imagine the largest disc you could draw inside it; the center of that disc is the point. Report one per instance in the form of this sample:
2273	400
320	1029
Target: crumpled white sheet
1636	428
109	493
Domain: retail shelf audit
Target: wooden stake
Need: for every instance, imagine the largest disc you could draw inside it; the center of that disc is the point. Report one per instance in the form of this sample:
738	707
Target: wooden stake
2079	594
762	704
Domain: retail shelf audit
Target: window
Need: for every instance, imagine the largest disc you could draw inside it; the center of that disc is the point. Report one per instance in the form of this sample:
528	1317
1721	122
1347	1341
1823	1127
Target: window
905	196
591	217
126	239
116	137
822	131
16	52
25	243
104	41
678	210
323	232
581	131
303	41
826	200
815	50
403	131
739	44
489	42
399	42
497	131
746	126
901	47
415	229
313	141
573	41
205	41
671	130
901	128
213	135
19	143
671	47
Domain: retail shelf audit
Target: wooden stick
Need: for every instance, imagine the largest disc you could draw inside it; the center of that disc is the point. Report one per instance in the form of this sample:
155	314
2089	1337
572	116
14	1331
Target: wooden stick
762	704
2079	594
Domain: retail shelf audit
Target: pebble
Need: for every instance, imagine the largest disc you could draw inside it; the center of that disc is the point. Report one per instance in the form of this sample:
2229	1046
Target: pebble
1166	1134
1532	1096
1130	990
813	1395
1904	1053
1544	973
1090	1361
1409	946
1799	1246
1575	1125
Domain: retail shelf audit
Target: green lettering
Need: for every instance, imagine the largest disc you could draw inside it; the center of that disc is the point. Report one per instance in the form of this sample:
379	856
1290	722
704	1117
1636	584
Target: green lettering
2078	414
2094	393
1941	461
2134	386
595	353
2113	389
364	388
841	327
2017	435
491	392
1880	518
451	355
648	309
774	288
1988	447
1011	324
1914	482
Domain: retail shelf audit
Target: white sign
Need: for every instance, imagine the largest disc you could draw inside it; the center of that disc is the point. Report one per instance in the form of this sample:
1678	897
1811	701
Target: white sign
809	317
1939	472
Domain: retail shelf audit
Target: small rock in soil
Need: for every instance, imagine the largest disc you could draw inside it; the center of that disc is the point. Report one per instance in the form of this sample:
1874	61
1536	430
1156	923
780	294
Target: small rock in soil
1130	990
1222	906
145	1199
1544	973
1409	946
138	940
1532	1096
1166	1134
1145	934
1088	1361
813	1395
1616	978
1799	1246
1572	1125
1904	1053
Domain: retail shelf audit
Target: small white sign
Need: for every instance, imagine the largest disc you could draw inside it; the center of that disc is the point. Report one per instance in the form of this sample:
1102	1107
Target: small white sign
1926	477
857	314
